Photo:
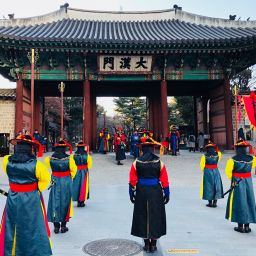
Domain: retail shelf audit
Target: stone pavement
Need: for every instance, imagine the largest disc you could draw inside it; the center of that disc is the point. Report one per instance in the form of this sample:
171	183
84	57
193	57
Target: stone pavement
190	225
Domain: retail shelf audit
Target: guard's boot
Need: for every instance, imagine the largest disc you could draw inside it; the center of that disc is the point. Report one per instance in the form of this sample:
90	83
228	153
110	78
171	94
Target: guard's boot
246	228
146	246
63	228
214	204
82	204
239	228
209	204
56	227
119	163
153	247
79	204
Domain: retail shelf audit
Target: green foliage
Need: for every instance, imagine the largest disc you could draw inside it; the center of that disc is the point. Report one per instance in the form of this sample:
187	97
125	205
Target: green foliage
74	108
181	111
132	111
241	80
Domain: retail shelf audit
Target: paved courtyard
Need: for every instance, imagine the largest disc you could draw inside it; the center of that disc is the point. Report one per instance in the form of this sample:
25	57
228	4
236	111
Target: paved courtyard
190	225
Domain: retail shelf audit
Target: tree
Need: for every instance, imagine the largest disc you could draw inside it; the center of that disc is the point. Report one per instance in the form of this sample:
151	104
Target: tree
74	108
181	111
132	111
99	110
174	114
185	105
241	80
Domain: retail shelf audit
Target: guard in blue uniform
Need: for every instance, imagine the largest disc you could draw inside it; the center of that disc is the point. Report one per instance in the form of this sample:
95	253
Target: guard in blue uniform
63	167
135	141
211	185
241	202
24	230
83	162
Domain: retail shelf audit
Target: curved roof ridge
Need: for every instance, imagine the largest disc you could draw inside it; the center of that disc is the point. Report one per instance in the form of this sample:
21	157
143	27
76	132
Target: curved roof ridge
105	16
36	20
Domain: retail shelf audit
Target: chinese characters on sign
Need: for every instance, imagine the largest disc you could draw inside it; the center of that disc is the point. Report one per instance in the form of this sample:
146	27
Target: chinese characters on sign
125	64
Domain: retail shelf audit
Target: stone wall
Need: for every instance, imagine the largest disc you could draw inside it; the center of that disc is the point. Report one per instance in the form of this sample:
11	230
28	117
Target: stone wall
7	117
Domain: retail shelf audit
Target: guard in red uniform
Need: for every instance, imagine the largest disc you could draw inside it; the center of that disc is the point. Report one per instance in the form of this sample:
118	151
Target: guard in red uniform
149	191
119	141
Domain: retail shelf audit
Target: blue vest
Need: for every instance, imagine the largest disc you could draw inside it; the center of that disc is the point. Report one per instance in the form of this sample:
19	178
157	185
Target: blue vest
81	159
59	165
22	173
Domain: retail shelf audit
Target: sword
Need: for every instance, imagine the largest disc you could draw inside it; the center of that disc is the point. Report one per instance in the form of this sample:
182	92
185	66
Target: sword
51	185
234	184
3	192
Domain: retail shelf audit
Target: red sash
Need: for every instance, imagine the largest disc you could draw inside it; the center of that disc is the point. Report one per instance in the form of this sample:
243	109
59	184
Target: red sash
23	187
242	174
61	174
211	166
82	167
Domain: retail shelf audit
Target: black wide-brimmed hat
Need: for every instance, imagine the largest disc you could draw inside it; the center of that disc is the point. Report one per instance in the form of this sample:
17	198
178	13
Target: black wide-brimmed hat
28	139
63	144
81	144
22	138
210	144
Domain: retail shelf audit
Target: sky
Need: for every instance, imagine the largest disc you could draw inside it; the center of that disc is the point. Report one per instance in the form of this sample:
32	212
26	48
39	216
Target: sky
216	8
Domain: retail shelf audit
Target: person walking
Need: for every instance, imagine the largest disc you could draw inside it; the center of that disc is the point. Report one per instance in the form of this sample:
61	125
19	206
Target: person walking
200	141
149	192
192	142
83	162
241	202
24	229
211	185
64	168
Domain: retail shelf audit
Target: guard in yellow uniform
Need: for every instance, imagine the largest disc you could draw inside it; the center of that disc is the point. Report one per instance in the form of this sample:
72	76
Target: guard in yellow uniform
63	166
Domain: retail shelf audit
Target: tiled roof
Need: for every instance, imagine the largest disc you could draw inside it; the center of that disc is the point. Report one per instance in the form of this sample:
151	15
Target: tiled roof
164	31
7	93
96	28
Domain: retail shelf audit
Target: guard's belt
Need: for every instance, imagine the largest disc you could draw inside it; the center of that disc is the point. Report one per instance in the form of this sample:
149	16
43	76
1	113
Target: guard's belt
242	174
148	182
24	187
211	166
82	167
61	174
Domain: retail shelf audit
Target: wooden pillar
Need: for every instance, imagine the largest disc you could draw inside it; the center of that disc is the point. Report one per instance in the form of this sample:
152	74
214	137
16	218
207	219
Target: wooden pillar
93	122
228	114
87	112
195	116
37	116
204	101
164	108
19	106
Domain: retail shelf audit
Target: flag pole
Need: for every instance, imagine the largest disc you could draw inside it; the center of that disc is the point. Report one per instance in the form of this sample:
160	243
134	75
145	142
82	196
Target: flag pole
236	119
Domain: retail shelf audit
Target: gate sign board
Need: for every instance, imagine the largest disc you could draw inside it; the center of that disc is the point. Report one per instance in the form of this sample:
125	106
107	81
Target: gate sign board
124	64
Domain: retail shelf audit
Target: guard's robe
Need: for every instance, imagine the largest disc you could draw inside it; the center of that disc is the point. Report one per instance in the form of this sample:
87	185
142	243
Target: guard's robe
241	201
149	176
60	208
24	229
81	180
211	184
